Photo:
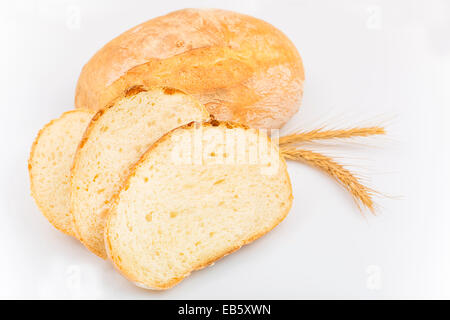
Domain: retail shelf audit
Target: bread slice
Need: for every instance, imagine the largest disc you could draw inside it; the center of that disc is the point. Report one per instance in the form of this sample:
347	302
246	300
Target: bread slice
197	195
115	139
49	166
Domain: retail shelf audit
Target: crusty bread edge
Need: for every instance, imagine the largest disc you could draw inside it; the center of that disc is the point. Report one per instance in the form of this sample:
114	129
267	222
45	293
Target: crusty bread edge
32	186
175	281
83	140
288	44
132	91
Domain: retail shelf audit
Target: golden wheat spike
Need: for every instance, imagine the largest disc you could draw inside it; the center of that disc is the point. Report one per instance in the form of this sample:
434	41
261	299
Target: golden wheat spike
321	134
360	193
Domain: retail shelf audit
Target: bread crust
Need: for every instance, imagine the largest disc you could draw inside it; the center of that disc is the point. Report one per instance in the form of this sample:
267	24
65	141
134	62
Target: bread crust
41	206
134	90
241	68
72	170
167	285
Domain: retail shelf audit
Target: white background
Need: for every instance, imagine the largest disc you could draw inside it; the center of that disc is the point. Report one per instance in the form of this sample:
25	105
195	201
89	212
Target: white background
362	59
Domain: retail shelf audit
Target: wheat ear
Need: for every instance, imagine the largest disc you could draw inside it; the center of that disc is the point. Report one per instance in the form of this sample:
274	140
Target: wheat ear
360	193
322	134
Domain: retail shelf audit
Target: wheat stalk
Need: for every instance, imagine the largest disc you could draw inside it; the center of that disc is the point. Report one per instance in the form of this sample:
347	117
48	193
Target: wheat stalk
321	134
360	193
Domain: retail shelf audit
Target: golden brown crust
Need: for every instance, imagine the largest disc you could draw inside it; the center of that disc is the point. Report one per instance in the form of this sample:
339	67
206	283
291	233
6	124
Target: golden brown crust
241	68
40	205
127	92
163	286
86	135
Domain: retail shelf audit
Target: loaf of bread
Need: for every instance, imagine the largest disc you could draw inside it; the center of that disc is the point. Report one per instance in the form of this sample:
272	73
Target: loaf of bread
49	166
115	139
180	209
241	68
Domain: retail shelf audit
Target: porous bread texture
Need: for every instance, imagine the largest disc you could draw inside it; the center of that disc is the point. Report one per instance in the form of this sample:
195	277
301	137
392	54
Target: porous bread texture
241	68
172	217
49	166
115	139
